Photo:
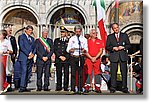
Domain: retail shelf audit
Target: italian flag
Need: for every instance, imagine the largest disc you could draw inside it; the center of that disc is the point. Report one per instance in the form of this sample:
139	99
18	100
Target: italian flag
100	7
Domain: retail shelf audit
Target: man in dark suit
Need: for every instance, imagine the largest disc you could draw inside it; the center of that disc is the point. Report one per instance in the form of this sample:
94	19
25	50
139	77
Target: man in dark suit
44	51
13	55
13	43
62	59
26	54
117	44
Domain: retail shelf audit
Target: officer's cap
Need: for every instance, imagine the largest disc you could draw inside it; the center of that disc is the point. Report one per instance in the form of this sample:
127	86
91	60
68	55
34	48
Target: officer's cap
63	29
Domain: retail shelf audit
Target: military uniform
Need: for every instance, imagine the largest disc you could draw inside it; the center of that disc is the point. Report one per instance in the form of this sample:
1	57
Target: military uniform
60	45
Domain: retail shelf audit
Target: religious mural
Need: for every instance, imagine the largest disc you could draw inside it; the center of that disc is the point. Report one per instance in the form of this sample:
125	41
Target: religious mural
129	12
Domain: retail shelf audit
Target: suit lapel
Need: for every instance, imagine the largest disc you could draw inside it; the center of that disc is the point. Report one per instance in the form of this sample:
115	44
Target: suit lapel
25	37
120	37
115	39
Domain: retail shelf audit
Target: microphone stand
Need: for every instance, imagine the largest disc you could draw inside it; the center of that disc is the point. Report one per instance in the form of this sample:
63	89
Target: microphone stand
79	64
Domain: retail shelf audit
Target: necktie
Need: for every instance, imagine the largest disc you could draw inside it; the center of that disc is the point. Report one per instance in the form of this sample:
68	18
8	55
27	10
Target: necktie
117	37
29	38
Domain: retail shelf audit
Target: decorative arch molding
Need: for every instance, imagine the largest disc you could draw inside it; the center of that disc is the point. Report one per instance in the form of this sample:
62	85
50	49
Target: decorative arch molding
57	7
134	31
134	26
12	6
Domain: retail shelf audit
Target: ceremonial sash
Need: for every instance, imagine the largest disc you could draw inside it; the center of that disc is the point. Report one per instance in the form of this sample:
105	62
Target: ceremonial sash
44	43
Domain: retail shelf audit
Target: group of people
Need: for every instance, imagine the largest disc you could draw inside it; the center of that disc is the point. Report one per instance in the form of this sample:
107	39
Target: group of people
8	53
82	54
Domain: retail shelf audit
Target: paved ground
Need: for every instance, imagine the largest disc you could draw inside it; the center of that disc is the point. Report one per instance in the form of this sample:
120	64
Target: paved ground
32	87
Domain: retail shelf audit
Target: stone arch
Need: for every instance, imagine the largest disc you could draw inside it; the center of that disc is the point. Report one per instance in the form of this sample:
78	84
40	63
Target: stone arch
13	7
134	31
15	11
56	7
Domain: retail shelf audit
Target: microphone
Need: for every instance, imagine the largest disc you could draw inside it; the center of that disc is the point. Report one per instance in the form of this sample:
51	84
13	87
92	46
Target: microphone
78	39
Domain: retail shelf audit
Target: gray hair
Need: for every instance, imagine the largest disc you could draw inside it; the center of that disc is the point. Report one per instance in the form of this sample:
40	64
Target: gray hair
44	30
77	27
93	30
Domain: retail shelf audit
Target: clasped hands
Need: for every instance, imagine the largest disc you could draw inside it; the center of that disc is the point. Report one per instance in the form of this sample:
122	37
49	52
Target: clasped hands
62	58
45	59
73	49
118	48
93	59
31	55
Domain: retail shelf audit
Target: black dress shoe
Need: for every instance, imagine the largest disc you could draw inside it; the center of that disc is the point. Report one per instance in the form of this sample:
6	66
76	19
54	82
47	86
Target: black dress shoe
66	90
9	89
24	90
98	91
125	91
46	89
39	89
58	89
112	91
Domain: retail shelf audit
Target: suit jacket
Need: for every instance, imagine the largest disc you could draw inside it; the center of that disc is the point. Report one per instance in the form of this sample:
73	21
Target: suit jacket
14	47
141	46
111	42
25	47
42	52
60	50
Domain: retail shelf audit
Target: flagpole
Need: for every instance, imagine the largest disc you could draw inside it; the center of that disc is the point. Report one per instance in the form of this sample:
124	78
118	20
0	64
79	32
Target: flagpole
117	11
96	18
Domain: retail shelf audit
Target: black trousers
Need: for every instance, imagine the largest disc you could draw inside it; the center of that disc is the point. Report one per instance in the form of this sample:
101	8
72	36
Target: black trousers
114	69
45	68
59	68
74	62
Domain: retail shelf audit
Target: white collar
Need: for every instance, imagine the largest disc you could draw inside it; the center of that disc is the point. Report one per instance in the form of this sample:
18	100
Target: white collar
27	35
117	34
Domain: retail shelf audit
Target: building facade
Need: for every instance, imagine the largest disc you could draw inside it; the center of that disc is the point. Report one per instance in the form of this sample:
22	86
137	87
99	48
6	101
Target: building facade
51	14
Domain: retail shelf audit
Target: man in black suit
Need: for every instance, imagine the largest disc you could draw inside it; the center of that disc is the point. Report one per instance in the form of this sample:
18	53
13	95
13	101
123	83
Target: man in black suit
62	59
13	55
44	51
13	43
117	44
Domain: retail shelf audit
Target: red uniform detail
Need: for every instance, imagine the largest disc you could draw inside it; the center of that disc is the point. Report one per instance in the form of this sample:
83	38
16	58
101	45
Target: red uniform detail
93	49
93	66
94	46
4	59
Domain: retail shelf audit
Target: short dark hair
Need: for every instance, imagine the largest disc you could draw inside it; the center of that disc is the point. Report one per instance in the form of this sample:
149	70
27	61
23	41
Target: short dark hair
114	23
104	58
29	27
4	33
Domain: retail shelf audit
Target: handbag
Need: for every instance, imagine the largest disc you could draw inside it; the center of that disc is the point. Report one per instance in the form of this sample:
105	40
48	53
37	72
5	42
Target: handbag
9	66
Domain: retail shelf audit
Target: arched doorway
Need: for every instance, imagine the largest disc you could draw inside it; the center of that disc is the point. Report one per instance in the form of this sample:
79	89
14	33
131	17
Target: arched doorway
19	18
135	33
67	17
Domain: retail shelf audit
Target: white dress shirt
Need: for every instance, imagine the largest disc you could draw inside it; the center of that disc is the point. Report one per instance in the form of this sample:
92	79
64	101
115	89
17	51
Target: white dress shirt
74	43
5	45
